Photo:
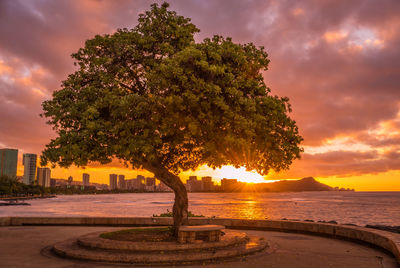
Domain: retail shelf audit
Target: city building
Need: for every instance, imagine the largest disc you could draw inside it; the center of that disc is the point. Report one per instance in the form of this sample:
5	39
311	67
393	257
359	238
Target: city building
85	179
229	185
100	186
59	183
208	184
129	184
162	187
150	184
139	184
76	185
194	185
29	161
121	182
8	162
150	181
43	176
113	181
136	184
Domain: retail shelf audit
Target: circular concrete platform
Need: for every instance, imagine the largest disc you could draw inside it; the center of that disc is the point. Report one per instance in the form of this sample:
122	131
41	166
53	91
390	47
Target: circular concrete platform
92	247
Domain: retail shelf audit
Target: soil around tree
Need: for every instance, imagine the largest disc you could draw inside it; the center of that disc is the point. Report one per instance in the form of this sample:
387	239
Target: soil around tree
159	234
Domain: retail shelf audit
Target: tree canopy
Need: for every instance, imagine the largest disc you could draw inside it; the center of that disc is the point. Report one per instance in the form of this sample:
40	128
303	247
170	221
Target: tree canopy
153	97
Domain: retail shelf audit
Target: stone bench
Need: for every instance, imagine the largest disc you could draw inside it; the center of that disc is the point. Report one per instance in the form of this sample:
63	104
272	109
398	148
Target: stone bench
210	233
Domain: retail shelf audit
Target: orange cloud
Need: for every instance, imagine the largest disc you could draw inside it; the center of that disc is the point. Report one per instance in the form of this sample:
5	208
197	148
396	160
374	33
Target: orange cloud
4	68
334	36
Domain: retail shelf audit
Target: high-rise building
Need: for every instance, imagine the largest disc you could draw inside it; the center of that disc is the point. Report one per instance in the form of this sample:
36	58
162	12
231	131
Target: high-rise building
150	184
162	187
141	178
208	185
8	162
113	181
150	181
121	182
193	185
85	179
29	161
43	176
135	184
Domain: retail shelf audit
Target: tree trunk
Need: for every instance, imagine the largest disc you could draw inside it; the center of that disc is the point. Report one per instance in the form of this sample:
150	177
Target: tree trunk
180	208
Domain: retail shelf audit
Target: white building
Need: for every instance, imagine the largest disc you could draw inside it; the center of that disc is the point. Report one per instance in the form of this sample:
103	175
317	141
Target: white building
29	161
43	176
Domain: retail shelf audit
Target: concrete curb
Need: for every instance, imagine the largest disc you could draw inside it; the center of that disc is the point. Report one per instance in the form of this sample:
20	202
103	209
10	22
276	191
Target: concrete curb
93	240
386	240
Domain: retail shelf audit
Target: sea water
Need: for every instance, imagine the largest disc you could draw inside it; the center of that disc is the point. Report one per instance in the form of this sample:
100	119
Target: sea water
358	208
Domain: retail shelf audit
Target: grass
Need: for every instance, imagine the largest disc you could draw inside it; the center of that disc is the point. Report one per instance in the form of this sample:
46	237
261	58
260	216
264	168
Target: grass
169	214
142	234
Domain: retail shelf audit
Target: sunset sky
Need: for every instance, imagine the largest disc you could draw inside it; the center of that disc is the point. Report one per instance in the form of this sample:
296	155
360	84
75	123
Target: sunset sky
337	61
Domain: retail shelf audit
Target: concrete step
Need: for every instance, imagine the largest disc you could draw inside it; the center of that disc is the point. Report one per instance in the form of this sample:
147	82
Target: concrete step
93	240
71	249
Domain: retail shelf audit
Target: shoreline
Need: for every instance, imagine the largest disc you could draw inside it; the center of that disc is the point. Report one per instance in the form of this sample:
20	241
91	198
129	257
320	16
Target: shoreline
202	192
20	200
27	197
313	207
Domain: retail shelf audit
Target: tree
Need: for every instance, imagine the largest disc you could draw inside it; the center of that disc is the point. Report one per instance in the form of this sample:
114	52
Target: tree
152	97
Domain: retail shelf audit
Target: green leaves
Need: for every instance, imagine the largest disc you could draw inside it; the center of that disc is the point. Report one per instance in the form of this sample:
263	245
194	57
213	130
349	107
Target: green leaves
152	95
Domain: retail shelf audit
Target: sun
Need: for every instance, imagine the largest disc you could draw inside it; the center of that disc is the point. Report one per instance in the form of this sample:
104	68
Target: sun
240	174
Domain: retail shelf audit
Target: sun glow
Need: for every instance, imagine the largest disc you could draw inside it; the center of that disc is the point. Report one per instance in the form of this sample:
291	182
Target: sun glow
241	174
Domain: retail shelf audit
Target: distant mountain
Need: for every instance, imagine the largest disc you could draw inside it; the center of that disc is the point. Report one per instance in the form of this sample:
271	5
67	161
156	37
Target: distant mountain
305	184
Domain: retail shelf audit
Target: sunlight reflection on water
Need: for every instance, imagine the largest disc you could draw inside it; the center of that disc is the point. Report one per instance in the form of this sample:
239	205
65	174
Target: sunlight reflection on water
344	207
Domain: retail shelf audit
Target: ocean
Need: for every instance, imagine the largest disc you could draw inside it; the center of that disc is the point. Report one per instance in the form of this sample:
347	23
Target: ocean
358	208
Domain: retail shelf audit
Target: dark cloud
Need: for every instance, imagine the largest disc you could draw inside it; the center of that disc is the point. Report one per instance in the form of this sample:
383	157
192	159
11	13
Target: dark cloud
378	142
47	32
343	163
339	83
42	35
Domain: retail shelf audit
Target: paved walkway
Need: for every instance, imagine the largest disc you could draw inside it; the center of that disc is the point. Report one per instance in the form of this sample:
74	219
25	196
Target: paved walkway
23	247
